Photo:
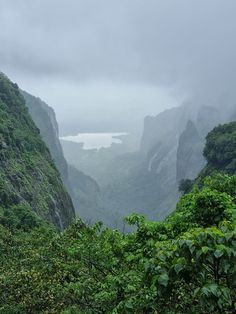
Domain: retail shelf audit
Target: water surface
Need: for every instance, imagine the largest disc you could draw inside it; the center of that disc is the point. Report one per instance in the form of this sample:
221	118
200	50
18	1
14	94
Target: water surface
95	140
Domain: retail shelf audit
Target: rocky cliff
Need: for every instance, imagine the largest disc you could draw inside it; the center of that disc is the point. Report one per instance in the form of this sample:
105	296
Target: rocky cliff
45	119
171	150
190	159
84	191
28	175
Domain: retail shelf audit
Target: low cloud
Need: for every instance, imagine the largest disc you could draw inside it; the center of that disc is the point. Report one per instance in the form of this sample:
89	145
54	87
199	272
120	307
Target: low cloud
89	56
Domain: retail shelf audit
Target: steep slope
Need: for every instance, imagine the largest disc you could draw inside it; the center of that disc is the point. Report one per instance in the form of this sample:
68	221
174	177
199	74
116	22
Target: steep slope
172	130
220	160
220	151
172	150
27	172
84	191
45	119
190	159
86	196
150	187
191	147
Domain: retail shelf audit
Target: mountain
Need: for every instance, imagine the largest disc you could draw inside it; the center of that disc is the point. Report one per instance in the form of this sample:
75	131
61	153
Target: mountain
84	190
146	180
28	176
190	159
171	149
45	119
86	195
173	142
184	264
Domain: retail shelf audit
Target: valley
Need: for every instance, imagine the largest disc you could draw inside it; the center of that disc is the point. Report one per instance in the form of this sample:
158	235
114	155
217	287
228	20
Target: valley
117	157
52	263
144	177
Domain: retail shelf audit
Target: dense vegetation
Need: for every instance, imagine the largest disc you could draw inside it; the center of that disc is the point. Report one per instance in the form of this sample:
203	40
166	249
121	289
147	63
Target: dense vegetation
28	175
220	150
185	264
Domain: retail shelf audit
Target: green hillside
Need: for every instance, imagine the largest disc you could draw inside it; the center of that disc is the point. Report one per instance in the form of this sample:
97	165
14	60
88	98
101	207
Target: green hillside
28	177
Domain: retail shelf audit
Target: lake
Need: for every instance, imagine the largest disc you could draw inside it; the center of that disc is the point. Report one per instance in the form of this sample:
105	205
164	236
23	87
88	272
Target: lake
95	140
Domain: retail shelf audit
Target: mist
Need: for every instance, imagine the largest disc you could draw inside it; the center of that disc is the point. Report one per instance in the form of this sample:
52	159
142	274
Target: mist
104	65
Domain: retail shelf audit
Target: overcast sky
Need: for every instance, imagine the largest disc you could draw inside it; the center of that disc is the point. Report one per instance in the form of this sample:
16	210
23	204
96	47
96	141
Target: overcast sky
105	64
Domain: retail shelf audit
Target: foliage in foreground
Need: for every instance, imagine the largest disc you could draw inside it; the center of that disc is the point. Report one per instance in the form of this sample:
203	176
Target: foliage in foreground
185	264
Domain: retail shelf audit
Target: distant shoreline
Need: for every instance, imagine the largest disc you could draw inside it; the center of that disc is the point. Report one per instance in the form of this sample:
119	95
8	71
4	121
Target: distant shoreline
96	140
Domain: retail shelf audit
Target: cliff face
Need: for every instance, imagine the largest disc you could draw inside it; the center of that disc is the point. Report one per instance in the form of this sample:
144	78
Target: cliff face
150	186
173	142
45	119
190	159
86	196
28	175
84	191
180	132
171	149
166	125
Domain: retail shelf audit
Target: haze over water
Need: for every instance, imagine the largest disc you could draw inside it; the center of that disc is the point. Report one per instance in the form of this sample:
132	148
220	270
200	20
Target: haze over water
95	140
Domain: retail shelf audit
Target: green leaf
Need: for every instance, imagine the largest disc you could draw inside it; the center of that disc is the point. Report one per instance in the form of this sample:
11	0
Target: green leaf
179	265
213	288
163	279
205	249
178	268
210	289
218	253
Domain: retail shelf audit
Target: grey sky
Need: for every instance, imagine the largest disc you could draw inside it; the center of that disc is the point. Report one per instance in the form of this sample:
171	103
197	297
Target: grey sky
105	64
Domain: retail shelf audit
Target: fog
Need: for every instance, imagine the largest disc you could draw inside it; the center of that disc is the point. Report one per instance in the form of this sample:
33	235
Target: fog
103	65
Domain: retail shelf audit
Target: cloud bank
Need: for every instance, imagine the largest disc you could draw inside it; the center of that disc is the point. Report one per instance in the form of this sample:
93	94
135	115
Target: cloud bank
111	62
